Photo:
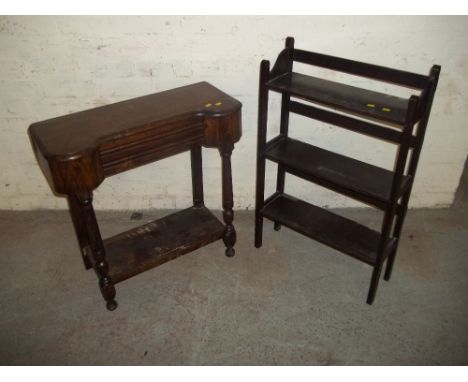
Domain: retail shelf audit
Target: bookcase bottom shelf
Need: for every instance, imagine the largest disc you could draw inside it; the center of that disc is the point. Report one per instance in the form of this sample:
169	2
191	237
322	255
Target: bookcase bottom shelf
326	227
152	244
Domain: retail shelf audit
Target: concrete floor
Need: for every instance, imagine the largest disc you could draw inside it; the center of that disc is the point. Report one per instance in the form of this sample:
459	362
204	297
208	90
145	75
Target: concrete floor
294	301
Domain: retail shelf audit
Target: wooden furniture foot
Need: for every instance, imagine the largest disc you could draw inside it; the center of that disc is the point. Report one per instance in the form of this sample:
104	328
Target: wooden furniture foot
374	284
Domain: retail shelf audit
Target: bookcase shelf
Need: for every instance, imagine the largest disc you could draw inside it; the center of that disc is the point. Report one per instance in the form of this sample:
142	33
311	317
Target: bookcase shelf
362	181
342	234
341	96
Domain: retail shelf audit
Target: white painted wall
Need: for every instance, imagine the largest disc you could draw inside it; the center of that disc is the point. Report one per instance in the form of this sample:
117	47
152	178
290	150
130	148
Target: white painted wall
51	66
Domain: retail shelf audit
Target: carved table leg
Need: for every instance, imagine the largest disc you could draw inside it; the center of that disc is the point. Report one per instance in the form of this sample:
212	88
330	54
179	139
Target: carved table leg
229	236
97	249
80	229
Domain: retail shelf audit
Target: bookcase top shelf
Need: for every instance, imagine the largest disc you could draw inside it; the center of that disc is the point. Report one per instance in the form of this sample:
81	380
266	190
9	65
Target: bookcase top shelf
337	95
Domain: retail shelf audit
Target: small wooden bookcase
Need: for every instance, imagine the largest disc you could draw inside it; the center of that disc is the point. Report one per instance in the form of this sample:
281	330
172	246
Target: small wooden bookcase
399	121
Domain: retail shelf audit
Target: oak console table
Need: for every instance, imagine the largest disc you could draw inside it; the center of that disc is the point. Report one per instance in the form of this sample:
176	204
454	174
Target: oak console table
77	152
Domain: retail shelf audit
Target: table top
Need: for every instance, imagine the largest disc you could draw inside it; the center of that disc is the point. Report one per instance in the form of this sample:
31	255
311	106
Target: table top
74	133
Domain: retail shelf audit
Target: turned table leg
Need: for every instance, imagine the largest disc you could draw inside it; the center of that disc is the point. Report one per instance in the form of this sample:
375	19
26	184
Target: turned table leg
97	249
229	236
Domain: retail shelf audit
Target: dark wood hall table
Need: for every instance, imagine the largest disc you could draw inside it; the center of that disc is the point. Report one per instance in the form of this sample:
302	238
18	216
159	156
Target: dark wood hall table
76	152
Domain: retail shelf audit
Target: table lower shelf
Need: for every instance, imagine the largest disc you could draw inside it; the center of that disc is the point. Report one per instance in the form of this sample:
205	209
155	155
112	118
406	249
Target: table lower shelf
333	230
152	244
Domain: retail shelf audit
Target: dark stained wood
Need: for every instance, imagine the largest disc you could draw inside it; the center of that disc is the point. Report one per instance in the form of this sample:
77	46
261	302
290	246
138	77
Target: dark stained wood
229	235
78	151
142	148
360	180
79	224
362	69
413	162
70	134
370	129
98	254
261	142
284	123
387	190
340	96
197	175
390	213
162	240
333	230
